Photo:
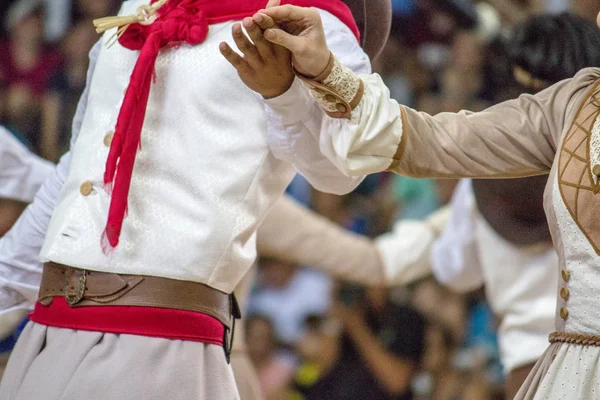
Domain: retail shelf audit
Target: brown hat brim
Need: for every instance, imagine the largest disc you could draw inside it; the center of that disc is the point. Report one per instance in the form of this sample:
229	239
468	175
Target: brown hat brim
374	19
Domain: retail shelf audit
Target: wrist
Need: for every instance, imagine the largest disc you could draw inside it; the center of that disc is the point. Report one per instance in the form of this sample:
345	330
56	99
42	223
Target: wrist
323	67
337	89
271	94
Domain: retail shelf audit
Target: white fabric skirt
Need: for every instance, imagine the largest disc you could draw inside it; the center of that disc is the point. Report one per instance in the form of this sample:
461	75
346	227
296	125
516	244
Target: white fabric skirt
564	372
63	364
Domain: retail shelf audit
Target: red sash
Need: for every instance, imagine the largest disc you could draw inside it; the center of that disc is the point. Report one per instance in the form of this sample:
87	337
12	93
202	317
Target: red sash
178	21
142	321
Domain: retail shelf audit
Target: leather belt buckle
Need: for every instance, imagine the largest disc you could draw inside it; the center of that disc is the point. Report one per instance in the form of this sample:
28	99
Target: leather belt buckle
75	282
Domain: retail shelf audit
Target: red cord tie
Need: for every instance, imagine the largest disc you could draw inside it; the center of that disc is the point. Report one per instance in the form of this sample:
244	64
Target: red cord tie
178	21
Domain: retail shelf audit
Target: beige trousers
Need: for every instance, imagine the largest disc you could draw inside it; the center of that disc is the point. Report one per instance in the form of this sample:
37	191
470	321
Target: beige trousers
64	364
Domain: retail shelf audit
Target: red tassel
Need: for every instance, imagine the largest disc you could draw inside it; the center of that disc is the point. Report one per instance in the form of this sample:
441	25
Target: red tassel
107	249
178	21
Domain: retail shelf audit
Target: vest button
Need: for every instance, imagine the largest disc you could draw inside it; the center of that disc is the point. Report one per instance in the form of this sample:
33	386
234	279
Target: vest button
564	293
564	313
596	170
565	275
86	188
108	138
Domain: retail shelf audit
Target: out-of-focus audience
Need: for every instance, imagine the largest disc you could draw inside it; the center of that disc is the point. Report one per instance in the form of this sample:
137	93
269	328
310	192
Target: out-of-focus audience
311	338
288	295
377	352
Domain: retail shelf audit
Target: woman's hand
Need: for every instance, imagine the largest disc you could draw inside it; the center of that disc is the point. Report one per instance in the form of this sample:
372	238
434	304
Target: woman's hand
300	31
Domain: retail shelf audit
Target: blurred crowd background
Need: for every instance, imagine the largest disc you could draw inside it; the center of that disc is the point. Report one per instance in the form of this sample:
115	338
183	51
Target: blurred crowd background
443	55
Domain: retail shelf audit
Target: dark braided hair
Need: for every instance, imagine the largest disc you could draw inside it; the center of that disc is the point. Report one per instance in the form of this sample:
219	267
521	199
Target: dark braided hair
555	47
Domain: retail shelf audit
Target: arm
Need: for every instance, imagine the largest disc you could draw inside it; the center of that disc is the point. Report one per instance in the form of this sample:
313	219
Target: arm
515	138
405	250
294	142
454	258
361	130
21	172
393	373
295	234
393	362
20	269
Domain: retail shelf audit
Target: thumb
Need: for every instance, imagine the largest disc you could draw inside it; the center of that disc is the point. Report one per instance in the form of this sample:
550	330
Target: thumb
292	43
273	3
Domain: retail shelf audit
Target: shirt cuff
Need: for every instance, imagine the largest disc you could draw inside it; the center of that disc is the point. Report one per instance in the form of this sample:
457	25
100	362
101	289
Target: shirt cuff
294	105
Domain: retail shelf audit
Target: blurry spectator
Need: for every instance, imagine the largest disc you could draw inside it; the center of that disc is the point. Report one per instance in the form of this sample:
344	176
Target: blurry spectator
461	84
88	10
380	348
419	197
274	371
287	294
318	349
21	175
58	19
26	66
439	380
440	304
66	86
588	9
387	65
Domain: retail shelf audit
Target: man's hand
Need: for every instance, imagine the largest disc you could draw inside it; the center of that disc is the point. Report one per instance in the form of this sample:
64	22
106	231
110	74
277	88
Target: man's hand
301	32
265	68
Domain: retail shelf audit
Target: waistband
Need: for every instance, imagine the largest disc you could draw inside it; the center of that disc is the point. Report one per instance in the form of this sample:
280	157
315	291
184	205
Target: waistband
574	338
144	305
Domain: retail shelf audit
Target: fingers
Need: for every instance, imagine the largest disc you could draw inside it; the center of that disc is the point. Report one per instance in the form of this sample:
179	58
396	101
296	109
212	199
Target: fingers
264	21
293	43
263	46
246	47
289	13
234	58
273	3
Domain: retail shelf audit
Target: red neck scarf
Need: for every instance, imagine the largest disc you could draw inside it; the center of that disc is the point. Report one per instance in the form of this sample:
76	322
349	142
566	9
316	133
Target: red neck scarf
178	21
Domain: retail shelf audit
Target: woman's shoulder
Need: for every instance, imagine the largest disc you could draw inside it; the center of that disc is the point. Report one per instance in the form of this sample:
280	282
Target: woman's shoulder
586	76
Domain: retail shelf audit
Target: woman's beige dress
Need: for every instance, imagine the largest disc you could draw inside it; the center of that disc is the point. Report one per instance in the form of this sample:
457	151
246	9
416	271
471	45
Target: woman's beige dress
555	131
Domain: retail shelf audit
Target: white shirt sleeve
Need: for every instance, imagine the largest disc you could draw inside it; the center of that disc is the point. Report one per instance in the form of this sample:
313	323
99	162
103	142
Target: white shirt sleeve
20	268
405	251
454	257
298	141
21	172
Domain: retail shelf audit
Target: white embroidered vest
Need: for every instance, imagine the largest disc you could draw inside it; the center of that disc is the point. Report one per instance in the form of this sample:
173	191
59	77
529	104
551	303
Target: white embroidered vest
203	179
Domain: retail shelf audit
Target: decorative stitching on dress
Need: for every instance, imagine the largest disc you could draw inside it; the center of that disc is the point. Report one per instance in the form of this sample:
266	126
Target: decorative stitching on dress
568	155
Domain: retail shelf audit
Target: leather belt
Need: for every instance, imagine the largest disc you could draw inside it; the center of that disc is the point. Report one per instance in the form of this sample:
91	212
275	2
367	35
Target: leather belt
84	288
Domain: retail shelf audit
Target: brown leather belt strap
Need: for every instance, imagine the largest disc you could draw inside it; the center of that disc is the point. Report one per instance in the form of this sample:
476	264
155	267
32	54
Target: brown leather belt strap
82	288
